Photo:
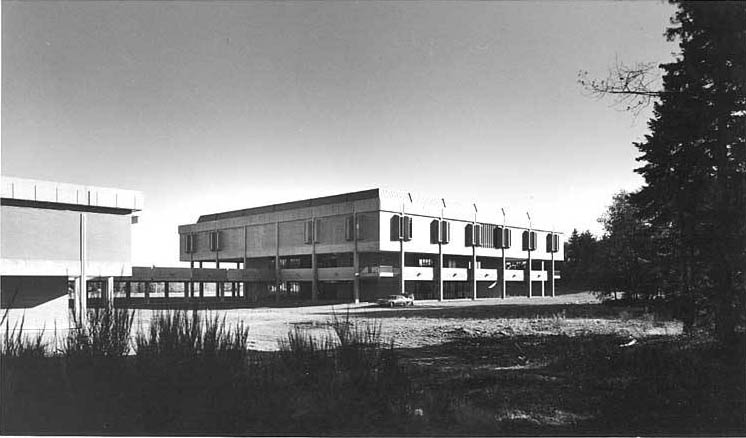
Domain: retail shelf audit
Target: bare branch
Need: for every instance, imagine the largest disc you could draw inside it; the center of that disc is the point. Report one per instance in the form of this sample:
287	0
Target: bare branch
632	87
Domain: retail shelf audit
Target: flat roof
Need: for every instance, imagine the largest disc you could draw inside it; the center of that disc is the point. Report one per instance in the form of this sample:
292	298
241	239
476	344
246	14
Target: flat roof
313	202
52	193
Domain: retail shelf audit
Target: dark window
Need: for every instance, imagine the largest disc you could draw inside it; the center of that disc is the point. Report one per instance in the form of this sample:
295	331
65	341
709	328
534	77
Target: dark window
189	246
473	235
552	242
445	231
401	227
334	260
215	241
407	227
440	231
395	227
317	224
529	241
308	232
435	231
350	228
360	227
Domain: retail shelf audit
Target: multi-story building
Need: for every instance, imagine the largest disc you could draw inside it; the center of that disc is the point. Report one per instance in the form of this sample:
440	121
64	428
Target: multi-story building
368	244
58	238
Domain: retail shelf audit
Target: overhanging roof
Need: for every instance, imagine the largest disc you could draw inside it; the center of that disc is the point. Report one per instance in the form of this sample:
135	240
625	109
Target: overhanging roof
51	194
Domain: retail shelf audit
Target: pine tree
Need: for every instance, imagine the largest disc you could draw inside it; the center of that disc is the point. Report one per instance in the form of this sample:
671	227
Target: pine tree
695	164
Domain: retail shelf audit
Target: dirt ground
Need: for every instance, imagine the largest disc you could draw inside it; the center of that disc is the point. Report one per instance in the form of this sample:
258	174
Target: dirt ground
431	323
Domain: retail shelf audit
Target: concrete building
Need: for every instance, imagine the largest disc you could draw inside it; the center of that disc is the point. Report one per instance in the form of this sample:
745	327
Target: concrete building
363	245
58	238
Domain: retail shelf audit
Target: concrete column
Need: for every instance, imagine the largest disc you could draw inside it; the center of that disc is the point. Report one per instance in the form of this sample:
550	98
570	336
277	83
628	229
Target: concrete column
233	289
277	262
165	289
186	288
128	290
200	265
551	276
439	272
355	261
473	273
201	289
501	276
81	295
109	291
528	272
191	264
147	291
543	282
401	267
314	266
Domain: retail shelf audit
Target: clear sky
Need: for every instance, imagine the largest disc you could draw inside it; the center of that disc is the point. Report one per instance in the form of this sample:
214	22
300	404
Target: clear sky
208	107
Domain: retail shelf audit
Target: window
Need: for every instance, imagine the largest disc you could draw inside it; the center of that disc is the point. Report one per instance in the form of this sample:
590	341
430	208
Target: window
529	241
473	235
552	242
189	246
440	231
214	240
401	227
445	231
350	228
308	232
407	227
395	227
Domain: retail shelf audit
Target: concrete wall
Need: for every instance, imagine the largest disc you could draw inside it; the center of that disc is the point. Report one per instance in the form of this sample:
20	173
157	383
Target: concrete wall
36	241
261	238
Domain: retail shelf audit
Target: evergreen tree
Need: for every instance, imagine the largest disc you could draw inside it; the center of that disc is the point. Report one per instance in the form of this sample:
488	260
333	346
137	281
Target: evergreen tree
694	164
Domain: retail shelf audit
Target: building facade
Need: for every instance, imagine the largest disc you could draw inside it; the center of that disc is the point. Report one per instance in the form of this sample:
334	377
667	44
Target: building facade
364	245
57	238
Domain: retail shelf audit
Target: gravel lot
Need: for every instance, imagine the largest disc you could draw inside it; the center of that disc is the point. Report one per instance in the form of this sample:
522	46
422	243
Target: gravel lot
428	323
431	323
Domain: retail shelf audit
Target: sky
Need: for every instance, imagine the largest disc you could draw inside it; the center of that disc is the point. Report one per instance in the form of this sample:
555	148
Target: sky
216	106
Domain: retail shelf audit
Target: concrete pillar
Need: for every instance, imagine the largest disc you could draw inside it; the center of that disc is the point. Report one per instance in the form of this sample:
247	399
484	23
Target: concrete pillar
473	272
109	290
401	268
191	264
528	273
165	289
315	278
128	290
200	265
201	289
233	289
439	272
543	282
501	276
277	262
186	288
147	291
551	276
355	261
81	294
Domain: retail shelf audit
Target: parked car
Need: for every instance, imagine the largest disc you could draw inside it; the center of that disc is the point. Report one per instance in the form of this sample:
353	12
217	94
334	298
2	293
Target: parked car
396	300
